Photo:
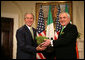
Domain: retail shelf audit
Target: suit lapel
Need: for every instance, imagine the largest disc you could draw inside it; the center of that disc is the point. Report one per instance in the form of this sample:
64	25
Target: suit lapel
28	32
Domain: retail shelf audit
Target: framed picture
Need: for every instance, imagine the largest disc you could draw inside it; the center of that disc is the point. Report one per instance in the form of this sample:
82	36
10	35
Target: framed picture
64	6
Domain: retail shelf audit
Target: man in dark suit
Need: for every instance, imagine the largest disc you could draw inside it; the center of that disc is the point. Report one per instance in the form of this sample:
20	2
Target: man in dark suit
26	43
65	45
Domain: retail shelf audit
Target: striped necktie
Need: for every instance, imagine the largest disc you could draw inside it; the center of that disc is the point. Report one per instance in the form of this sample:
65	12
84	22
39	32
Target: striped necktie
32	32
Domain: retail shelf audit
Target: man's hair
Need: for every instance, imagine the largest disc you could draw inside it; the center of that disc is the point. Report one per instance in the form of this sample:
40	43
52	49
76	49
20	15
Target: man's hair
66	13
28	13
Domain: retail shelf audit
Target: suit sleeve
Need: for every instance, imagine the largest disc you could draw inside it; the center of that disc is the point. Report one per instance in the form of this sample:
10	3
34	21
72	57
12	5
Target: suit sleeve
21	43
68	37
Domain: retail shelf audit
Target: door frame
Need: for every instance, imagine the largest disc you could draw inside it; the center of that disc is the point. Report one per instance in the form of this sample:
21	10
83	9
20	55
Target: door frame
15	27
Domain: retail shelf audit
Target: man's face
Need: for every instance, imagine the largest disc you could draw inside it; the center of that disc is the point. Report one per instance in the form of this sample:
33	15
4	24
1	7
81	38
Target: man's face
64	19
29	19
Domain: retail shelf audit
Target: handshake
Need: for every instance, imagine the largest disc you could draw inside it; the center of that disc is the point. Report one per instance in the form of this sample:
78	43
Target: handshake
43	43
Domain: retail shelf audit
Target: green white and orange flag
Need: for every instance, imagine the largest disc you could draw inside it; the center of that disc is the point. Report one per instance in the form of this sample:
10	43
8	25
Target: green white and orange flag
66	10
50	27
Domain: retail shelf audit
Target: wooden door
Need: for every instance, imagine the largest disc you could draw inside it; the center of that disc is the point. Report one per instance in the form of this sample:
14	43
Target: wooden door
6	37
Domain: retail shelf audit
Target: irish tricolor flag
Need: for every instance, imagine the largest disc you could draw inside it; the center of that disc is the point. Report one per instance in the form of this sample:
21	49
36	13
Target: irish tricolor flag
50	27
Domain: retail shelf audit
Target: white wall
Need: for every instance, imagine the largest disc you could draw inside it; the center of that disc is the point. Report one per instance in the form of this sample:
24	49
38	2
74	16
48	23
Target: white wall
78	16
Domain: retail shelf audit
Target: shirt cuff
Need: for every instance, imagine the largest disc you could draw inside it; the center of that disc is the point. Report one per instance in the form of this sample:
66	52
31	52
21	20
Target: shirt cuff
52	43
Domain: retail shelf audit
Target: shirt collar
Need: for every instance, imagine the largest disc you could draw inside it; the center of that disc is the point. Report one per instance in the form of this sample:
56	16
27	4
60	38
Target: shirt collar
64	26
28	27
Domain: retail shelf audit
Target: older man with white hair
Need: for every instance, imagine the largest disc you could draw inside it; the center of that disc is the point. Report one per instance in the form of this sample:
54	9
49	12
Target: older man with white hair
65	45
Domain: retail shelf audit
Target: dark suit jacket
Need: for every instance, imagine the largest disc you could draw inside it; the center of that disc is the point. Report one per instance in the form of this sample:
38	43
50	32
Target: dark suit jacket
26	46
65	45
